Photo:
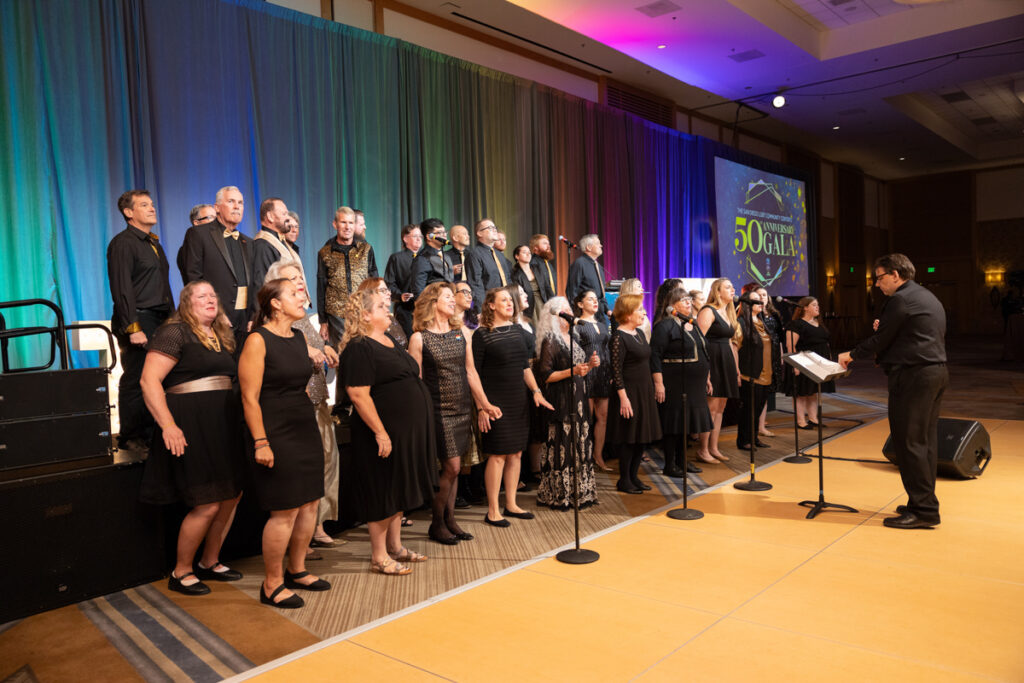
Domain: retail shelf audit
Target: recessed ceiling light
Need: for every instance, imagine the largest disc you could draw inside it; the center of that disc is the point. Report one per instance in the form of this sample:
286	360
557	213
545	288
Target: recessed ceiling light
835	127
903	158
662	47
778	101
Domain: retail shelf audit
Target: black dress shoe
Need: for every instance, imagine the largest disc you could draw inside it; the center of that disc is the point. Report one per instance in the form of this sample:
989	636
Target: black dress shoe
627	488
461	503
901	509
318	585
809	425
642	486
673	472
501	523
198	588
693	469
464	536
292	602
228	574
517	515
908	520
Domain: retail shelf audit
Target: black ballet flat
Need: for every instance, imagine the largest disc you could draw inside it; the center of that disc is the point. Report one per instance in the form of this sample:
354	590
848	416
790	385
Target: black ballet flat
318	585
501	523
443	540
693	469
464	536
210	575
517	515
198	588
294	602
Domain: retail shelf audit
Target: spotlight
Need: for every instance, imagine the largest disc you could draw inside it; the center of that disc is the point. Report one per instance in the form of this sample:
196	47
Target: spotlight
835	127
662	47
778	101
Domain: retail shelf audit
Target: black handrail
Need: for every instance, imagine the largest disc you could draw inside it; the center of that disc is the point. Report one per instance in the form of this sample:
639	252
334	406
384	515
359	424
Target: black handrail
58	336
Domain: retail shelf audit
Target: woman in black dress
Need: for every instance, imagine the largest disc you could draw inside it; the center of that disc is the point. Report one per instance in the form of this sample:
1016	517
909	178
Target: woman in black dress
679	365
503	362
288	462
442	350
755	366
717	322
633	421
806	333
394	465
522	275
196	455
564	382
594	335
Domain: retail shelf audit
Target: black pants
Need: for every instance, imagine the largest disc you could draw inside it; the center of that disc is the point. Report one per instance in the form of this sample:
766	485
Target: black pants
136	422
750	411
404	317
915	395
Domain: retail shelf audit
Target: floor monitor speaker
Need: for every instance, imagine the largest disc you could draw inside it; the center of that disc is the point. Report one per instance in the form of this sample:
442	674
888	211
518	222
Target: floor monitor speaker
964	448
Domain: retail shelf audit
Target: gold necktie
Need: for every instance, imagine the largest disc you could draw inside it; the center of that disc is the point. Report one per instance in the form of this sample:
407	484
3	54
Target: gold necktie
462	262
551	277
153	242
501	271
233	234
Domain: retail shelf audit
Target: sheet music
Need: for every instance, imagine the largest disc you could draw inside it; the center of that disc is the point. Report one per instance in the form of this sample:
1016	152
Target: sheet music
817	367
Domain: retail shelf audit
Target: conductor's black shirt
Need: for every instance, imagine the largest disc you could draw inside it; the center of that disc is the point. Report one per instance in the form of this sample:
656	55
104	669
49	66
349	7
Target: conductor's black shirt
911	330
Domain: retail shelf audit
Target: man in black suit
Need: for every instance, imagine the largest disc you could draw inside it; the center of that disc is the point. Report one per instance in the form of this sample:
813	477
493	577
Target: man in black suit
430	265
586	274
909	345
543	266
271	244
137	269
398	276
218	253
200	213
486	268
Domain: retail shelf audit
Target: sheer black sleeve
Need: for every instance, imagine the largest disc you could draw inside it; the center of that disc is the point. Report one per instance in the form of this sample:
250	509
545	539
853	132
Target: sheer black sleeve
617	352
169	340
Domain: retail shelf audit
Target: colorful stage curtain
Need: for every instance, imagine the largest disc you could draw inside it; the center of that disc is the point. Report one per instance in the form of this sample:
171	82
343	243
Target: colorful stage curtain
184	97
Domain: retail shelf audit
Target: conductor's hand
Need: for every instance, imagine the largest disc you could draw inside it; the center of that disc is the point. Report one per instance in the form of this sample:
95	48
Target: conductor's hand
383	444
845	359
874	325
174	439
265	456
138	338
626	409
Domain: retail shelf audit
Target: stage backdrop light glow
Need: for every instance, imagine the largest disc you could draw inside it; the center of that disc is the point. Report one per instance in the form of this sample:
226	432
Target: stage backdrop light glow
762	228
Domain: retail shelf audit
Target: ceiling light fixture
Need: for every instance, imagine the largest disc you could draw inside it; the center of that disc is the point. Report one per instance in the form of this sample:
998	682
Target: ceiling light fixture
779	101
835	127
662	47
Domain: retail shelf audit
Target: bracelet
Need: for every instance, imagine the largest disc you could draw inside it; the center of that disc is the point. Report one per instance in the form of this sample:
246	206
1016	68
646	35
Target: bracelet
262	445
262	439
537	390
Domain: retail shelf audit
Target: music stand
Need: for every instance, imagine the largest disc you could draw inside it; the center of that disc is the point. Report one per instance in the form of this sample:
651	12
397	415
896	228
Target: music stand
819	370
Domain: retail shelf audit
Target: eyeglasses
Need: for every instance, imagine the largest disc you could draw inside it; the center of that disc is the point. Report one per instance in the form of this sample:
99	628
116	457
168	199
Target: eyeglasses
879	276
383	290
465	292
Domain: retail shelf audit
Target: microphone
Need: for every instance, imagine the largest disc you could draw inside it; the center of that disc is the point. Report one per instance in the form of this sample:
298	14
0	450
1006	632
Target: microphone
786	300
571	319
443	240
745	299
572	245
685	318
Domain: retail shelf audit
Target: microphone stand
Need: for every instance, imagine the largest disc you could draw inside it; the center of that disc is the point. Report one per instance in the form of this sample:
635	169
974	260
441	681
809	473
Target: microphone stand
752	484
685	512
575	555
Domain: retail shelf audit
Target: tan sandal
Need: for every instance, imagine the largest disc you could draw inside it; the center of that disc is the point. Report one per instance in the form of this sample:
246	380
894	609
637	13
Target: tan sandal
390	568
406	555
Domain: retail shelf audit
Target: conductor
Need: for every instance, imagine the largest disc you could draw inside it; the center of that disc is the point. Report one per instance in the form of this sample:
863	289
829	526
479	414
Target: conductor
909	345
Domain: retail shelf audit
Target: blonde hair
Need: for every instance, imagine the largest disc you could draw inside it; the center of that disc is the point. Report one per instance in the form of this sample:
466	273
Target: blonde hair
344	210
221	326
355	326
715	301
631	286
424	312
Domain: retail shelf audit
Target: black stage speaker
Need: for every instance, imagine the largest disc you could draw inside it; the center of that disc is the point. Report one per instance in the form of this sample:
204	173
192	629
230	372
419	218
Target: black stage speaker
76	535
53	421
964	448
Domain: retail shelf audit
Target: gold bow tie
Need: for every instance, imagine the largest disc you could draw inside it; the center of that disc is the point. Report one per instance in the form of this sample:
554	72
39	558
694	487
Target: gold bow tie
233	234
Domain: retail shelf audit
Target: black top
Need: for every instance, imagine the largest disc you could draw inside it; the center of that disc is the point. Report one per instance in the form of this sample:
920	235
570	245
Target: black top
397	275
531	287
911	330
137	268
455	258
666	343
751	351
195	361
482	271
587	274
430	266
